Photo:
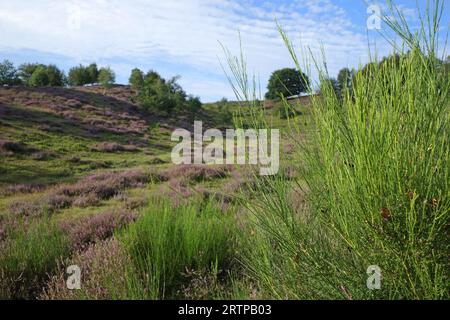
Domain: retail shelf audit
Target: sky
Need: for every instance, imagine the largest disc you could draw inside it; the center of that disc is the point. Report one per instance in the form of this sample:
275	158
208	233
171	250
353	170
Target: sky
184	37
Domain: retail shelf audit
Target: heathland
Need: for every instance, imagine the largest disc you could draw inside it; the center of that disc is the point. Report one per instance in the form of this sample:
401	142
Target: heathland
358	210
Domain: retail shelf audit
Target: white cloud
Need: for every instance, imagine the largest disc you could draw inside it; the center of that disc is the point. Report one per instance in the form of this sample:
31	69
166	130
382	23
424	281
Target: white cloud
180	32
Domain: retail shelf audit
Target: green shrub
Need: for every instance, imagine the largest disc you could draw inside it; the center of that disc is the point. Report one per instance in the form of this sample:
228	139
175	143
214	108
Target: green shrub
376	183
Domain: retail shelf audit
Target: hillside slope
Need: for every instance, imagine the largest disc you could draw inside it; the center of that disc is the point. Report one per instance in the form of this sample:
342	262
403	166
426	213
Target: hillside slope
51	137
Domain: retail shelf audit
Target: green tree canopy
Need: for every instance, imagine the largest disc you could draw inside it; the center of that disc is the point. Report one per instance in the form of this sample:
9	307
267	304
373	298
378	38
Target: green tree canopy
78	76
93	73
106	77
136	79
8	74
286	82
345	78
161	94
39	78
56	77
26	70
193	103
44	76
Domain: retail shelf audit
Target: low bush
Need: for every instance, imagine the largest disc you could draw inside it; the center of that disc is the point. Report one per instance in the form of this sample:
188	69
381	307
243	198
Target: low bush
375	180
103	274
196	173
85	231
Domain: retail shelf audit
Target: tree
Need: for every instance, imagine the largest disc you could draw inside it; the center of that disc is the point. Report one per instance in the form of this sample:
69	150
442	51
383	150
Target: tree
136	79
106	77
193	103
286	82
93	73
39	78
345	79
8	74
78	76
26	70
56	77
160	94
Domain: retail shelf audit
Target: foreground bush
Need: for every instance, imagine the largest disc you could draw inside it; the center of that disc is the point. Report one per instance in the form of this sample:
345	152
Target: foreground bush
376	175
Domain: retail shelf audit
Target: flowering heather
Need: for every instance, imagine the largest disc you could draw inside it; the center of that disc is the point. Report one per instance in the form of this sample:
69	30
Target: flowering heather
56	202
85	201
197	172
26	208
107	184
86	192
82	232
103	273
178	192
35	208
135	203
20	188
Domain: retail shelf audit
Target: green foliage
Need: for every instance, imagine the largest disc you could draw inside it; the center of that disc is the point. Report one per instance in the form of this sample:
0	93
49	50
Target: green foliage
46	76
376	185
81	75
93	73
106	77
345	80
167	241
30	253
78	76
136	79
8	74
158	93
39	78
286	82
26	70
330	84
193	103
56	77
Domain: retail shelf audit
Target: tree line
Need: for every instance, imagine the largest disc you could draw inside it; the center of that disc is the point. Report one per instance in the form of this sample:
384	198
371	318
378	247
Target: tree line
152	91
291	82
41	75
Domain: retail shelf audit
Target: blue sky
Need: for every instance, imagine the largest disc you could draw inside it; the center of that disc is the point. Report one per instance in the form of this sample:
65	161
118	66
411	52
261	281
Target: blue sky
181	37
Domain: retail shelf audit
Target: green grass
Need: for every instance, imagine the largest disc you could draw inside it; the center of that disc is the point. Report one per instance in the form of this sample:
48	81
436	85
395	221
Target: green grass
31	252
166	242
